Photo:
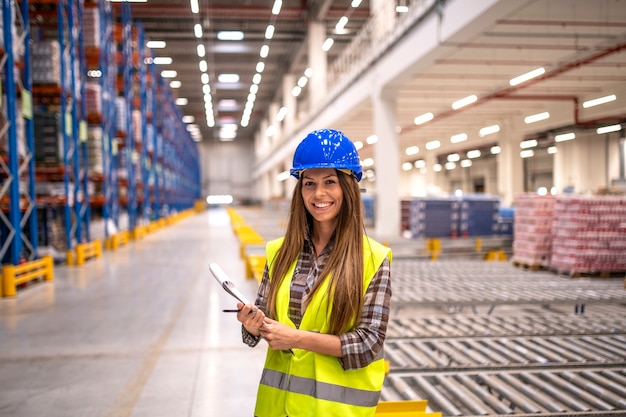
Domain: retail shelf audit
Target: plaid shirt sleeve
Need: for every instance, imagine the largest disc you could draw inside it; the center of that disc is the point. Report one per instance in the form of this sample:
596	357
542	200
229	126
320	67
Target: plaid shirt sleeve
363	345
261	302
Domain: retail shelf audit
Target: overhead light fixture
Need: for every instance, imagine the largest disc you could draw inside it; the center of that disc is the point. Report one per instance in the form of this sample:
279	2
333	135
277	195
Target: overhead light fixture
200	50
282	113
608	129
276	7
328	43
433	144
527	153
454	157
296	91
464	102
308	72
420	163
407	166
423	118
188	119
536	117
181	101
155	44
175	84
204	78
260	66
450	166
528	76
466	163
169	74
489	130
302	81
460	137
598	101
256	79
269	31
372	139
341	24
564	136
228	78
265	51
525	144
473	154
283	176
197	30
358	145
402	9
203	66
412	150
552	150
356	3
495	150
230	35
368	162
194	6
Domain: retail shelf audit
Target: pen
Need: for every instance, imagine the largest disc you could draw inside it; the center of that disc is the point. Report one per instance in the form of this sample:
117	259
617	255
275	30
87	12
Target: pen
226	310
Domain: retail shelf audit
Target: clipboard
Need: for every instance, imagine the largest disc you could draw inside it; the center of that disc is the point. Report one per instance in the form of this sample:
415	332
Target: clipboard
228	286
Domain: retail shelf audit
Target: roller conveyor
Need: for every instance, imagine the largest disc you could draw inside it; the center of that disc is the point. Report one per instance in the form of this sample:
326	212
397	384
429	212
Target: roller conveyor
553	392
501	352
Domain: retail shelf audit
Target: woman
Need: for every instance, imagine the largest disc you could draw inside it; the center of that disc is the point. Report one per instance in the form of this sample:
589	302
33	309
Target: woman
323	302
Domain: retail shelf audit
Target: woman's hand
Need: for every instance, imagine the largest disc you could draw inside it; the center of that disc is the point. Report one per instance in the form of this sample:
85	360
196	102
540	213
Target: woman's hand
251	318
278	335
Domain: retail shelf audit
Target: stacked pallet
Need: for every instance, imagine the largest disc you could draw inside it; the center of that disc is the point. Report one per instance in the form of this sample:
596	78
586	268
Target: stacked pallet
532	245
434	217
479	215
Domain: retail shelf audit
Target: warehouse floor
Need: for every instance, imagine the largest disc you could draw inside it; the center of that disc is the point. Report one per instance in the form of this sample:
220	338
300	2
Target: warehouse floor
140	332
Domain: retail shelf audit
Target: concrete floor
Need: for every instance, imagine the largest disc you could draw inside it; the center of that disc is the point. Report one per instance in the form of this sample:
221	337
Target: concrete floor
138	332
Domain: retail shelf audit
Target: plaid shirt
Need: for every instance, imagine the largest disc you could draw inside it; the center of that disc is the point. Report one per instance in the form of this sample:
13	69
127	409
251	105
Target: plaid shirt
360	346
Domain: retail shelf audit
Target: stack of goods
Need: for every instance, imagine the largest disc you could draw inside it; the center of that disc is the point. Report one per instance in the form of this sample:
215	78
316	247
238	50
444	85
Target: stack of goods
93	99
46	62
48	140
479	215
91	26
589	234
19	132
94	149
506	216
434	217
137	125
368	209
532	244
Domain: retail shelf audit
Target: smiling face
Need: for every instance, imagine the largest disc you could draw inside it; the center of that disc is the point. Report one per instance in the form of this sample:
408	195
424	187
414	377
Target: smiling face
322	194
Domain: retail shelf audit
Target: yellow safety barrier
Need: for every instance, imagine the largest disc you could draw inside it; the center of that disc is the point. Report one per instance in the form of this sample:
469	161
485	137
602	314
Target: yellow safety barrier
85	251
495	255
247	236
199	206
139	232
117	240
433	247
255	265
14	275
410	408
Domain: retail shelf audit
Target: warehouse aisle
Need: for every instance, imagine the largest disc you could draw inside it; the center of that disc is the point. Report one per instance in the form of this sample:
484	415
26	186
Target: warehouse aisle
138	333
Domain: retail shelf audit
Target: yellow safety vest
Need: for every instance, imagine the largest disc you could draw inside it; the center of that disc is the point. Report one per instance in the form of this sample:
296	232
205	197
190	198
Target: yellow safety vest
308	384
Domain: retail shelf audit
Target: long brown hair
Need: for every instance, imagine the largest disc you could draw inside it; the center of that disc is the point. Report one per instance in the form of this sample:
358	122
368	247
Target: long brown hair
345	264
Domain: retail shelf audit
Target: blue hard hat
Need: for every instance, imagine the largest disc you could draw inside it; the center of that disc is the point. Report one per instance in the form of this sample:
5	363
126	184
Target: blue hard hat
326	148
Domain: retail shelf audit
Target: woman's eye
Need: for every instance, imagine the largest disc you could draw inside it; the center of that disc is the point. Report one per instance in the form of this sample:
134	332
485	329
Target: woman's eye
308	183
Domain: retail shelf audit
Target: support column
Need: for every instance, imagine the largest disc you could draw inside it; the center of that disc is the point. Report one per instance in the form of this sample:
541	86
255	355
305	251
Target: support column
318	63
386	160
384	14
510	164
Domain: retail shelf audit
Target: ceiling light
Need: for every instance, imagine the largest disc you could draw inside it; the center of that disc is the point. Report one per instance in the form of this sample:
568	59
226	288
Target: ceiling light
368	162
302	81
188	119
420	163
536	117
203	66
489	130
155	44
328	43
181	101
356	3
495	150
265	51
525	144
412	150
269	31
269	132
230	35
256	79
433	144
358	145
282	113
421	119
473	154
260	66
437	167
308	72
464	102
341	24
402	9
454	157
527	153
552	150
200	50
460	137
194	6
296	91
197	30
228	78
466	163
598	101
283	176
450	165
608	129
372	139
407	166
168	74
525	77
204	78
564	136
276	7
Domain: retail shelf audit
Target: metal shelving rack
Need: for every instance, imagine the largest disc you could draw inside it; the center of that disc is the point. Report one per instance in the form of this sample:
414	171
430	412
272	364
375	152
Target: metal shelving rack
154	168
20	237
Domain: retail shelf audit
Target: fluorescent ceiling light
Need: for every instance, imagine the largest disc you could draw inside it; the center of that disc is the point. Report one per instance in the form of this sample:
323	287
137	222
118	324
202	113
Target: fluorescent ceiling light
230	35
528	76
341	24
260	66
269	31
473	154
466	163
450	165
328	43
433	144
495	150
256	79
175	84
564	136
358	145
296	91
464	102
536	117
155	44
204	78
598	101
437	167
412	150
527	153
181	101
194	6
423	118
552	150
308	72
420	163
608	129
302	81
203	66
188	119
283	176
197	30
228	78
525	144
407	166
282	113
489	130
454	157
200	50
168	74
265	51
276	7
460	137
356	3
372	139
